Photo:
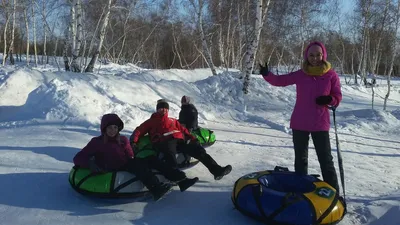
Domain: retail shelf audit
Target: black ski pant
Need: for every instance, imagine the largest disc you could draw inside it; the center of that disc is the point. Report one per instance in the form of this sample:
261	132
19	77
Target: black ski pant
171	147
142	168
323	149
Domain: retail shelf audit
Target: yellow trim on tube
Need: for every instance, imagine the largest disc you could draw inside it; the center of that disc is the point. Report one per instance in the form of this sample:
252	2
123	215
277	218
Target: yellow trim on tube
322	198
251	178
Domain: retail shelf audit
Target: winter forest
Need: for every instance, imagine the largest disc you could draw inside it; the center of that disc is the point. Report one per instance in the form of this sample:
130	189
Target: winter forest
361	35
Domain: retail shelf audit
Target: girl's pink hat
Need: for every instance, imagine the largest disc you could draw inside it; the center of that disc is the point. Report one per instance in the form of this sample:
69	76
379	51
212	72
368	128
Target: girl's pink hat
324	54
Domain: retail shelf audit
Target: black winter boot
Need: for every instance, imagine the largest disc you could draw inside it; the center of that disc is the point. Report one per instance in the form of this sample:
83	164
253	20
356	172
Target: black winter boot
187	183
160	190
222	172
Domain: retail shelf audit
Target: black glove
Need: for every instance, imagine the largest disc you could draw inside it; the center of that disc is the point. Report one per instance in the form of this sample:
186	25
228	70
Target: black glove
264	69
93	167
323	100
193	141
134	146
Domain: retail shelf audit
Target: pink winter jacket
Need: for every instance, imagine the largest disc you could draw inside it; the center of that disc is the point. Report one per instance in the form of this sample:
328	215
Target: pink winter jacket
111	155
307	115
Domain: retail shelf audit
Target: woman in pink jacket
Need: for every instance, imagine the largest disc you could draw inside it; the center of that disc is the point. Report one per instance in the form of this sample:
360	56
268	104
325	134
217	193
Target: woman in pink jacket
112	152
317	87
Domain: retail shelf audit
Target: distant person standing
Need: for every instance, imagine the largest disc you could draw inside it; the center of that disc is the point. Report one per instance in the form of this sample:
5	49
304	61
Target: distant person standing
317	86
188	116
373	78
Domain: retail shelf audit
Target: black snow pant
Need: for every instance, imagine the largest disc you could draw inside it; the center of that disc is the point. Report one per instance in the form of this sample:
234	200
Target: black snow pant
142	168
171	147
323	149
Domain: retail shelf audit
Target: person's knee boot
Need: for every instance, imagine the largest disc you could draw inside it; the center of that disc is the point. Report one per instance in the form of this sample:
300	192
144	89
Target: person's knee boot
186	183
159	190
222	171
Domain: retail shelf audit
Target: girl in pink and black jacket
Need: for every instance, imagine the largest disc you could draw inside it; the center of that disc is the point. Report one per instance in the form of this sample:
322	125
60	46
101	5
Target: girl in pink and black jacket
317	87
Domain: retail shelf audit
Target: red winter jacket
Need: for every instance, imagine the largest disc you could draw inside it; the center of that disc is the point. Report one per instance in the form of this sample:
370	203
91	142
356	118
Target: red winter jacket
111	155
161	128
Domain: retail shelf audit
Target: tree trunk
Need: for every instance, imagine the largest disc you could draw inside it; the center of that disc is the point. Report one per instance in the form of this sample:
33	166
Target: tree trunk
103	29
11	49
34	33
27	36
394	52
65	50
5	39
44	56
253	45
78	35
206	50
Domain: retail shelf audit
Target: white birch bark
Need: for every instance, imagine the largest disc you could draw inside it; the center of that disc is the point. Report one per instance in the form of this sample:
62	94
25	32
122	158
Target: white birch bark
95	32
228	41
11	49
78	36
103	29
72	24
34	32
206	50
5	36
27	36
253	45
44	56
65	50
394	52
130	9
365	36
220	36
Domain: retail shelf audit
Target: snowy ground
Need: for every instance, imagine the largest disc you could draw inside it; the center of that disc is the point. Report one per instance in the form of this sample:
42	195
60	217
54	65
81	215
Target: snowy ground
47	116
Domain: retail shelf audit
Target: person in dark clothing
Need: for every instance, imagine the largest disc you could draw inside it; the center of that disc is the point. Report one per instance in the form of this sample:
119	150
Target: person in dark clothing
188	116
112	152
317	87
169	137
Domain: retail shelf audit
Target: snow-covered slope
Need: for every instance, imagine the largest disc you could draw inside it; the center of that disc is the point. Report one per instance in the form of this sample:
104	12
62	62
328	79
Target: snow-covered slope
47	116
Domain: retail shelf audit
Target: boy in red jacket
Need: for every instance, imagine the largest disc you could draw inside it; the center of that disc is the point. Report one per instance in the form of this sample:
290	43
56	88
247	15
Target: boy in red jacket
169	137
112	152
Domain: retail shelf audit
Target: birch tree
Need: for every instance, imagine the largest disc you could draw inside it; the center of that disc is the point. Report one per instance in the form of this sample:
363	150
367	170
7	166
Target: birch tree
395	46
7	17
365	7
198	6
11	49
253	40
76	24
27	35
65	50
103	28
381	21
220	25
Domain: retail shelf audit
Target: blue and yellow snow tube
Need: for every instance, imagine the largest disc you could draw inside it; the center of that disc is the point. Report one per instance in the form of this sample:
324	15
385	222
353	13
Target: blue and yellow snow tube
280	197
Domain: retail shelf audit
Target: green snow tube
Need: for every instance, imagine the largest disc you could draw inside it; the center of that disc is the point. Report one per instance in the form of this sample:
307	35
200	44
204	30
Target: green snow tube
145	149
205	136
108	185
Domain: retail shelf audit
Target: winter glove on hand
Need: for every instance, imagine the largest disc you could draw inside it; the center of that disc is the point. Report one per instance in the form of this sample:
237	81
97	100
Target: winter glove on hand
134	147
192	140
264	69
93	167
323	100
